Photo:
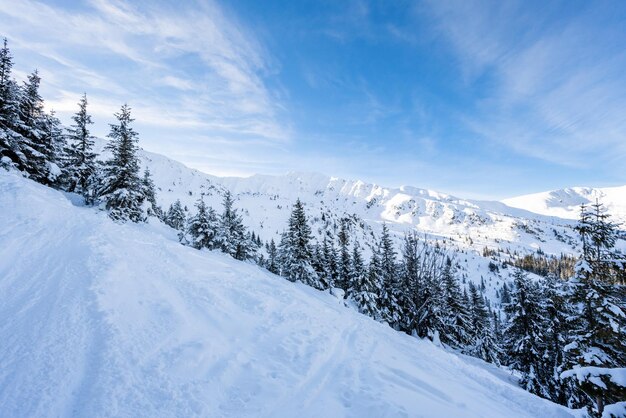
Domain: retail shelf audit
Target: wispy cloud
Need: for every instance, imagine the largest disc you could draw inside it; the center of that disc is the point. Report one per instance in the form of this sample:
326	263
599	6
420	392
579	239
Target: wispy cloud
188	64
552	91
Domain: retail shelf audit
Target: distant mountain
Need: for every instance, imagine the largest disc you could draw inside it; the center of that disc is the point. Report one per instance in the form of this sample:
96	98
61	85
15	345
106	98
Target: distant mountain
565	203
477	233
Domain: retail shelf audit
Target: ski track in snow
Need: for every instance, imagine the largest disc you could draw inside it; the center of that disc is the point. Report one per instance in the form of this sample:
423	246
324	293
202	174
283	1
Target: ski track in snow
107	320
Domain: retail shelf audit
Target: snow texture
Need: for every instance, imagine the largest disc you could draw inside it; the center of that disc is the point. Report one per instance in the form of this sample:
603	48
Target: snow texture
109	320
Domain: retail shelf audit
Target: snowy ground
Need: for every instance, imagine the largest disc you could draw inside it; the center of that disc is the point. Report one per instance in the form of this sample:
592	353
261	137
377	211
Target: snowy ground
100	319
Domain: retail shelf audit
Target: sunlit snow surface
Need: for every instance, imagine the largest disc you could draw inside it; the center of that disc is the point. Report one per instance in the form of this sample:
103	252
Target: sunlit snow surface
100	319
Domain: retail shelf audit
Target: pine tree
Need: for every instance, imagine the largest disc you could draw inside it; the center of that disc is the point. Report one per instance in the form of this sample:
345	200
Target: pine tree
328	263
524	334
431	315
202	227
272	257
36	156
295	250
10	154
505	296
412	281
175	216
344	262
7	105
457	326
149	192
81	159
483	343
31	105
391	309
372	287
54	144
557	312
598	328
119	186
232	238
365	286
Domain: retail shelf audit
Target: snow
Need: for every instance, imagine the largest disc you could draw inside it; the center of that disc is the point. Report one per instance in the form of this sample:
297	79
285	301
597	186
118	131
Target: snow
565	203
615	410
120	320
463	227
591	373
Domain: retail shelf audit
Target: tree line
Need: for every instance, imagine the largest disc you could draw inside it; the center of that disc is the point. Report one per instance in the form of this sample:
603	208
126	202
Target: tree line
35	143
565	338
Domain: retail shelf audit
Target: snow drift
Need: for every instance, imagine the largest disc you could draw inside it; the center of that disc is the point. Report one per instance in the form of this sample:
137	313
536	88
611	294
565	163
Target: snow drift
101	319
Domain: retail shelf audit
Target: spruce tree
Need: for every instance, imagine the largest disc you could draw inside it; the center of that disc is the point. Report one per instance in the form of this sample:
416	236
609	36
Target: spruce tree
328	263
412	281
149	192
525	340
119	187
175	216
344	262
431	315
391	309
365	286
81	159
483	344
457	324
373	286
202	227
10	154
272	257
598	328
557	313
232	237
54	144
8	107
36	155
295	250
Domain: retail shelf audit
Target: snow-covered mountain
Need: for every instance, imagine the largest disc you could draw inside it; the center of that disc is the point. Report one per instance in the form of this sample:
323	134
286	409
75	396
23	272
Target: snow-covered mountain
463	224
102	319
565	203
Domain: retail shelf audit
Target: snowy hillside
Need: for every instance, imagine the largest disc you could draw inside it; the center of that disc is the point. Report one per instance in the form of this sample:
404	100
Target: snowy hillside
459	224
565	203
102	319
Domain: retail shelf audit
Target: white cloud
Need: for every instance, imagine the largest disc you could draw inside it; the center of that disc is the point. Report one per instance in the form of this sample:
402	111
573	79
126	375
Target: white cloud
127	52
555	86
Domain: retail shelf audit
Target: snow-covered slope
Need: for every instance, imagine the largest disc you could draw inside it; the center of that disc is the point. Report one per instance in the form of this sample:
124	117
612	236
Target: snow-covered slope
460	224
565	203
101	319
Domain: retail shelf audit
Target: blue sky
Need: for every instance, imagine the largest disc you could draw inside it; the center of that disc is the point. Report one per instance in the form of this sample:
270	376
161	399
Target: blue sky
479	99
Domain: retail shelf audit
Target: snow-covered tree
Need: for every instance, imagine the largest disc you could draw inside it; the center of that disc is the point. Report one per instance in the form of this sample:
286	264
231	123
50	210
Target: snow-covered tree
53	141
556	328
390	308
295	250
365	285
431	317
149	191
120	188
457	329
10	154
327	260
232	237
598	328
343	263
524	335
272	257
80	164
175	216
483	344
34	154
202	227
